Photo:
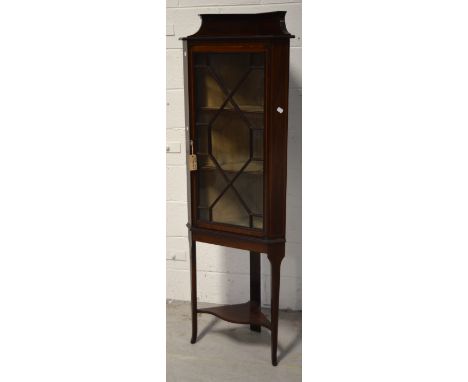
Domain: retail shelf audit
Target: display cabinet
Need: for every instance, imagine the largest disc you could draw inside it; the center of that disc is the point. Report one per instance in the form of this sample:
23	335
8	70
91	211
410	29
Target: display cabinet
236	86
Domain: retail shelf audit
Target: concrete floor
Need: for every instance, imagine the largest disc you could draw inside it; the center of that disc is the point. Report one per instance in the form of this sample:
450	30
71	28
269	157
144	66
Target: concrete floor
229	352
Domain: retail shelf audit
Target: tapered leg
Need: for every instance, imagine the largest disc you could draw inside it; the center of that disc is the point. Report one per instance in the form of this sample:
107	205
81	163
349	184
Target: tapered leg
255	284
275	256
193	280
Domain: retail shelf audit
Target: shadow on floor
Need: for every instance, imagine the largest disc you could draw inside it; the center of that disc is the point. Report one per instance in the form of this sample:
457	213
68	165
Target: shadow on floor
243	334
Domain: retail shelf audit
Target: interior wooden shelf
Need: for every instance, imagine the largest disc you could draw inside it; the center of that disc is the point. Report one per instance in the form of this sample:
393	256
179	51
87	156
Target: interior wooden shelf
243	108
254	168
243	222
246	313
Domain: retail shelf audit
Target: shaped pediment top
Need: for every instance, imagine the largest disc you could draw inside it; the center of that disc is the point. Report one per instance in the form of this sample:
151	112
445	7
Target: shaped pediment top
242	25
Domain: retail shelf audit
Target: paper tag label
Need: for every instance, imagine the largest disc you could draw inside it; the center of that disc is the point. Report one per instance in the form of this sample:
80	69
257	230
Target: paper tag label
192	162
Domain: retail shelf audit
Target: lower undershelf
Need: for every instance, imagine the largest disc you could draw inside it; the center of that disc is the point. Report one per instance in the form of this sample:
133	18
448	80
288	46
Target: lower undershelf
246	313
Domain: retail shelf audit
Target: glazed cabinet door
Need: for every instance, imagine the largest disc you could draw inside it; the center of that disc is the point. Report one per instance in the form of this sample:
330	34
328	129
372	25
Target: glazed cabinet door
228	137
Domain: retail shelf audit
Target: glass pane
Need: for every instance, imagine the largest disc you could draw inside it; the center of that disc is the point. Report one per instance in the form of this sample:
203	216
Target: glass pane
255	119
210	185
229	210
257	222
202	139
229	67
257	136
209	94
249	184
230	139
249	97
229	134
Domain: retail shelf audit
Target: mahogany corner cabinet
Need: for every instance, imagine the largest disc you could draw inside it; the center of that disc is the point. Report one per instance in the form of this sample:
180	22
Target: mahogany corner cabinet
236	96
